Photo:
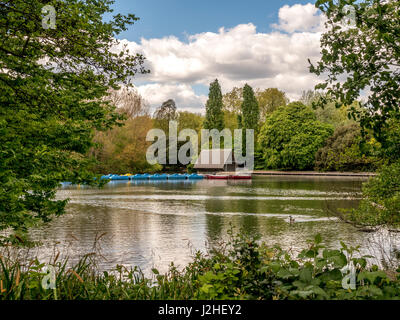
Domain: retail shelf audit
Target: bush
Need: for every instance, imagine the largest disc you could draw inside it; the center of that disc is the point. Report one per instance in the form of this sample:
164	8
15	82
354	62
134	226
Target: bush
290	138
381	199
342	151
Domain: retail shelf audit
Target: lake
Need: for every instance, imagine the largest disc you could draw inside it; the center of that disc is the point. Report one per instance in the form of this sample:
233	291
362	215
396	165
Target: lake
150	224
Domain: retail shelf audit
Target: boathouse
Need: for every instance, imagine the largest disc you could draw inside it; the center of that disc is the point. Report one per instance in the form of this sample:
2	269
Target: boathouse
216	160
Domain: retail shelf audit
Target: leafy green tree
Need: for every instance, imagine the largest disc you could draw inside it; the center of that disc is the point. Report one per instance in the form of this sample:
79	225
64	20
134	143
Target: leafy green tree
290	138
52	85
368	54
328	113
214	115
269	100
190	120
346	150
233	100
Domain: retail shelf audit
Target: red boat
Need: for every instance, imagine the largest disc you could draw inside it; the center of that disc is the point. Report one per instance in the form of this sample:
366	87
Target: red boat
216	177
227	177
241	177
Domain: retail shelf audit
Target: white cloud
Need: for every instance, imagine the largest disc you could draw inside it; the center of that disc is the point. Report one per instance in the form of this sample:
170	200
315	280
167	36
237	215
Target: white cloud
303	18
183	94
235	56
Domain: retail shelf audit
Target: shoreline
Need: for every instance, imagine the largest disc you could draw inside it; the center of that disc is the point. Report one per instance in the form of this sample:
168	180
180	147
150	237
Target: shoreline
312	173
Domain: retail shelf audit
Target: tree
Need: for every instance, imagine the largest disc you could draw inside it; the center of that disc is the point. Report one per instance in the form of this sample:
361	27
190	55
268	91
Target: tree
232	100
231	120
164	114
52	87
123	149
250	110
214	116
328	113
290	138
269	100
368	54
190	120
345	151
128	102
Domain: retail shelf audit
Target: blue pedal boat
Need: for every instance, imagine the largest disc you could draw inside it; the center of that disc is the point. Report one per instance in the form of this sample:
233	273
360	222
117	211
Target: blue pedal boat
195	176
140	176
158	177
176	176
119	178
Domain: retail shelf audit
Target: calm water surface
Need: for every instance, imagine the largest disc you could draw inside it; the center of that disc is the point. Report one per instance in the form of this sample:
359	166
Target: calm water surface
150	224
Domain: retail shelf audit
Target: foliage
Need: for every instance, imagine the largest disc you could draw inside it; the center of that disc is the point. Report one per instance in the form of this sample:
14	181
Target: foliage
328	112
189	120
52	85
164	114
129	102
390	150
231	120
290	138
250	111
269	100
347	151
123	149
214	115
368	54
233	100
242	268
381	199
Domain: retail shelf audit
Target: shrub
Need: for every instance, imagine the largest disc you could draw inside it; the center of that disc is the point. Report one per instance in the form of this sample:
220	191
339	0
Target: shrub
381	199
343	152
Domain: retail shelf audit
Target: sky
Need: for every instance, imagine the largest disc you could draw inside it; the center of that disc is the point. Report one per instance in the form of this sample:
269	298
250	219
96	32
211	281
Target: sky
188	44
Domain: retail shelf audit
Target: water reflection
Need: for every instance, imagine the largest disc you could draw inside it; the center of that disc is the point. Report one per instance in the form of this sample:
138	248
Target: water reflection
151	223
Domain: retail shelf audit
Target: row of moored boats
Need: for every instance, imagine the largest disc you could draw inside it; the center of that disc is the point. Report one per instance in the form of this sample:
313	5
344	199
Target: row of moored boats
146	176
175	176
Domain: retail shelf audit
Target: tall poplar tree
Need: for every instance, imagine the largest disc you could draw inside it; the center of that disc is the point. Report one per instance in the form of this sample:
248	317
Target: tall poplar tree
250	109
214	114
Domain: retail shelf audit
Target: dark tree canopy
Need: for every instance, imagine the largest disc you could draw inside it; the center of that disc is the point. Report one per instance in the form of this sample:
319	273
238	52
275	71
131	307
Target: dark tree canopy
366	55
52	87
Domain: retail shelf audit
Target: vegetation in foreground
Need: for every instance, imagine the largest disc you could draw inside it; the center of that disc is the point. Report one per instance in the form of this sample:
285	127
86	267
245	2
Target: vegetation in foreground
244	269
